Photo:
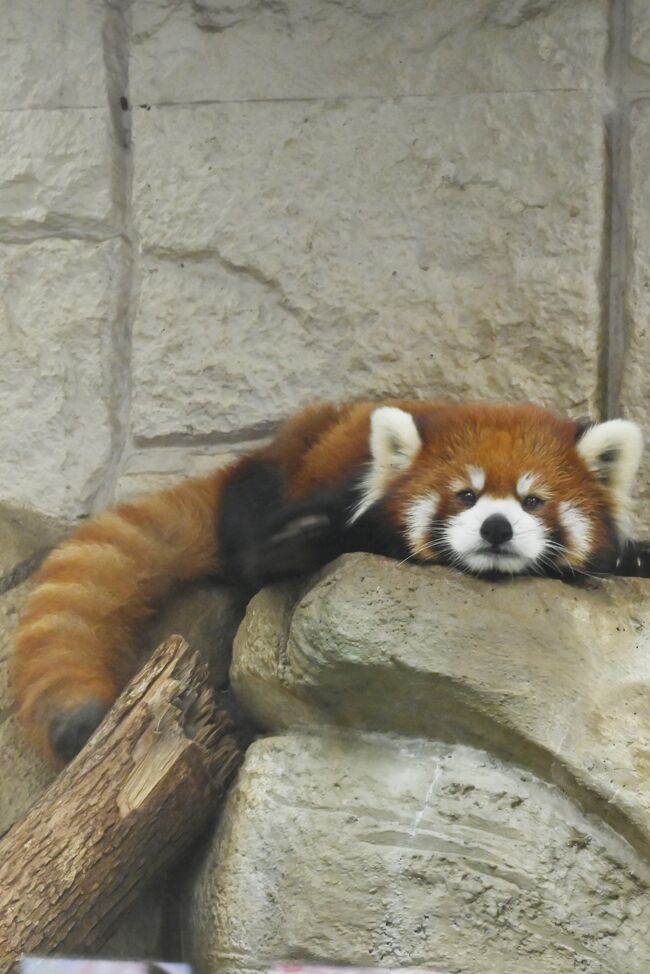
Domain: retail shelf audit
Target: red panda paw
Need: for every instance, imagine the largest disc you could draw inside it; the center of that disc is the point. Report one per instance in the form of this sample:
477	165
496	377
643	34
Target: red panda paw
298	545
70	729
633	560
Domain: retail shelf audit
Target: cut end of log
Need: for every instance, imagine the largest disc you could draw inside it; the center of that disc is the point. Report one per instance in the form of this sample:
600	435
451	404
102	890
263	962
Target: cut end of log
184	726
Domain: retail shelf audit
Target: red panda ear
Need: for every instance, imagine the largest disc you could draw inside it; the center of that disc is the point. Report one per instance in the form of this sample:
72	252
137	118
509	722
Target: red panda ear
394	439
394	442
612	450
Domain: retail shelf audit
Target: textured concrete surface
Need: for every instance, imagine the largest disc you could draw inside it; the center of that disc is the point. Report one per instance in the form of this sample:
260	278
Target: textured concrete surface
257	50
389	852
237	288
635	376
640	39
333	177
58	326
58	173
52	54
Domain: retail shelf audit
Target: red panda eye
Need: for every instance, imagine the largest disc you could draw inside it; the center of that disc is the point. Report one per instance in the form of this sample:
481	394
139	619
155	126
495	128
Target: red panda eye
467	498
531	503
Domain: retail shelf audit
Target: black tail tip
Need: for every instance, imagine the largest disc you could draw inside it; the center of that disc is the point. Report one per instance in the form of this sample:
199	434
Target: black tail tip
70	729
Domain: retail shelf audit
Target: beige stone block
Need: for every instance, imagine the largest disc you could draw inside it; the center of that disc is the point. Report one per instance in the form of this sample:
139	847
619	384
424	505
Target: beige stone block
314	49
635	396
396	853
436	247
555	676
52	54
639	43
56	177
58	341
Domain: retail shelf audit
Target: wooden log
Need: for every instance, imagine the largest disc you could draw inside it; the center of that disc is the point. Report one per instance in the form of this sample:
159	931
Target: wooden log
147	782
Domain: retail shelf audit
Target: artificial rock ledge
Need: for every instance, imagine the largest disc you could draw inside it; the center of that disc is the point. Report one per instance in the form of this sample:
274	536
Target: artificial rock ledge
458	775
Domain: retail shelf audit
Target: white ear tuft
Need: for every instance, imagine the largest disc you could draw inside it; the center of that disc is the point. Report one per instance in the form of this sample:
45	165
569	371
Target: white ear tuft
613	451
394	439
394	442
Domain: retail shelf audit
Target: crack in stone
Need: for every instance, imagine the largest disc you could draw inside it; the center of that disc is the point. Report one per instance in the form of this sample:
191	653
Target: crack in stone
218	20
269	283
513	13
207	254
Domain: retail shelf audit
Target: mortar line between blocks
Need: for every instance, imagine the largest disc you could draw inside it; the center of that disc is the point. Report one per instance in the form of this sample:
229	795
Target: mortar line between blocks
614	324
115	41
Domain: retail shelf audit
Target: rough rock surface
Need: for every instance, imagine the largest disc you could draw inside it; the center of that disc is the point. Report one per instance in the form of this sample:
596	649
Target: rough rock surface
390	852
458	777
555	676
640	38
25	535
58	173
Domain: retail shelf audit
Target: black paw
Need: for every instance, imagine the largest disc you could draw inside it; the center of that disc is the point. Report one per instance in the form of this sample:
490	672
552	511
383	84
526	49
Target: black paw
293	547
70	729
633	560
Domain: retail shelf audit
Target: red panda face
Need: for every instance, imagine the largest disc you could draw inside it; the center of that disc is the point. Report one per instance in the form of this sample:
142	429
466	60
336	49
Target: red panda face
489	532
502	489
481	521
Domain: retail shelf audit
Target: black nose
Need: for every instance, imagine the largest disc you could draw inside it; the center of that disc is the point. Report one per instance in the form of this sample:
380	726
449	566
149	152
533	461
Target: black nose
496	529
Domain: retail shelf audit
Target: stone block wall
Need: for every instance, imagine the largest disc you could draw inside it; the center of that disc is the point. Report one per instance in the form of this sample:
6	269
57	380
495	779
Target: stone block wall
212	213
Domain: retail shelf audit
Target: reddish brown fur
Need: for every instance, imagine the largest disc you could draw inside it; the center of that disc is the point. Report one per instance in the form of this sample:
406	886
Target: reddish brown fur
103	582
78	636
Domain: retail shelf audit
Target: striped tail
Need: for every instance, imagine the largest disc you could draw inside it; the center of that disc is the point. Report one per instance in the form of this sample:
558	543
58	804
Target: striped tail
76	645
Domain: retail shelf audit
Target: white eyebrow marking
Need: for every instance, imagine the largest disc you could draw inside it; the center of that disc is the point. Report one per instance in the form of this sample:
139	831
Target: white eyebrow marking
577	525
418	519
476	477
526	483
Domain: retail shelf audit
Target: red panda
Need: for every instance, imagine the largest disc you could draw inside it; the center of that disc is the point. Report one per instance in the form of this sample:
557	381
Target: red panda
487	489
